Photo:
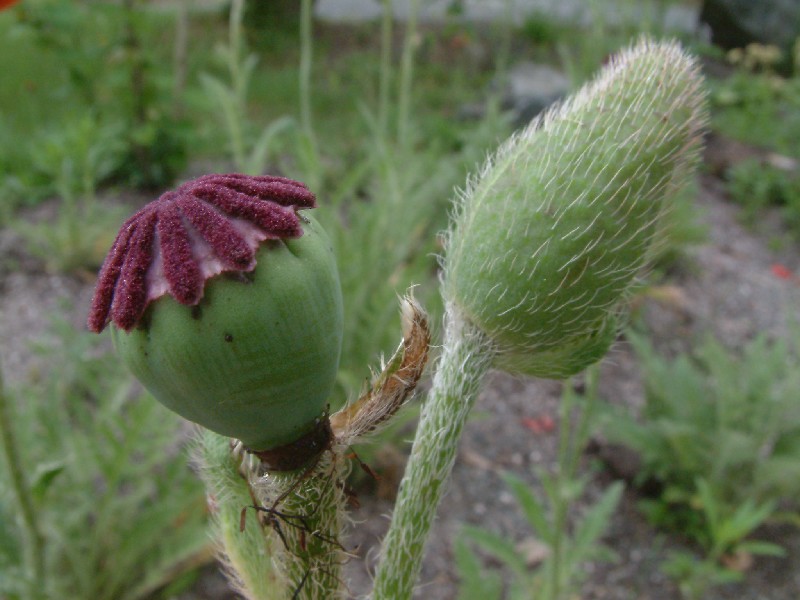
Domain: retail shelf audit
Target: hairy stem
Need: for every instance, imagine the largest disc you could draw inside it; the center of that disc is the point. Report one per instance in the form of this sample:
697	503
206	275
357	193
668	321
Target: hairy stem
308	520
247	553
34	540
279	532
465	359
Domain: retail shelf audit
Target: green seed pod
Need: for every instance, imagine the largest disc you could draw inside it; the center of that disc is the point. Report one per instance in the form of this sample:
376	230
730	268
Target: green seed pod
227	309
548	239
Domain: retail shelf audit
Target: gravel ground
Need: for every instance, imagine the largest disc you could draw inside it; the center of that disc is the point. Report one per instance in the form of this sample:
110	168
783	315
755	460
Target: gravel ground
727	288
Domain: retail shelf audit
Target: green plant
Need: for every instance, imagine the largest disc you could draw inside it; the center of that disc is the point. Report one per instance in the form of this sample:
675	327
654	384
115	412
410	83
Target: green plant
537	260
760	109
757	106
719	435
385	242
631	142
743	403
107	506
757	186
24	577
79	155
252	353
583	43
541	28
110	55
724	538
75	159
75	32
569	545
384	208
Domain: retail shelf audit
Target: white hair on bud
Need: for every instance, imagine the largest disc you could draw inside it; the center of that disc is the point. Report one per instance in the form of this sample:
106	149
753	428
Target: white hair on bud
648	142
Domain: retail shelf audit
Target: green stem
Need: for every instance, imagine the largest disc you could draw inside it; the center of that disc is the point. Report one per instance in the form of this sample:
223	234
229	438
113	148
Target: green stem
386	69
306	55
34	540
247	553
239	81
586	416
286	550
572	440
561	506
507	28
407	74
465	359
180	64
310	521
69	208
309	148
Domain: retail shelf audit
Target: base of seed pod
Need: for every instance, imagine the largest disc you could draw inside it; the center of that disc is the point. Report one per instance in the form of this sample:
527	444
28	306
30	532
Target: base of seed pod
301	452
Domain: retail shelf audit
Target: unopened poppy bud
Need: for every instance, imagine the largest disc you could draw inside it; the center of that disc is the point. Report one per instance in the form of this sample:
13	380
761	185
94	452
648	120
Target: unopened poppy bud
548	239
225	303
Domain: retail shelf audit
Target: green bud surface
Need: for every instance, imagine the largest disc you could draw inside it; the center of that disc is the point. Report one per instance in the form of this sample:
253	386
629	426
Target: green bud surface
548	239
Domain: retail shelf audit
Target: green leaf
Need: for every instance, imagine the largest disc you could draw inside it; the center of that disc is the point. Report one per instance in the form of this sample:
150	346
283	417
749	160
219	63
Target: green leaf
761	548
261	149
744	521
43	477
535	513
596	520
475	582
501	547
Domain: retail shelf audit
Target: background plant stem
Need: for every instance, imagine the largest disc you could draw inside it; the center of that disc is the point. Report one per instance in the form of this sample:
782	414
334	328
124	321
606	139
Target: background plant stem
465	359
180	59
235	58
572	441
34	543
386	69
308	149
305	70
407	74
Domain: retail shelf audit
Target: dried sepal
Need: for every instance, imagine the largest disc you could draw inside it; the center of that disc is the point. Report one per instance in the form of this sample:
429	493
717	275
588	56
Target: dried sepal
393	386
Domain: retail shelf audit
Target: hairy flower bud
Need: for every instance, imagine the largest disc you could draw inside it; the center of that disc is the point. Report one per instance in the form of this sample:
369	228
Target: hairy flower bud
548	239
226	305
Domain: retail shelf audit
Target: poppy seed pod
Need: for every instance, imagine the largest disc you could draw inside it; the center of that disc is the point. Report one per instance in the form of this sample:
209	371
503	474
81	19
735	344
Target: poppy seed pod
225	303
548	239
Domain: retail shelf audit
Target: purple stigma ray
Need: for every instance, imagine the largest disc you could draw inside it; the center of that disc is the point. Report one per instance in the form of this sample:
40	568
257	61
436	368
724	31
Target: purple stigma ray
209	225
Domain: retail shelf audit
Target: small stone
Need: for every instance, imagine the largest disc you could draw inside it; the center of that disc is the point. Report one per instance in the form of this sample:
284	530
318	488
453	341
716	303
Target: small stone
534	551
531	88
